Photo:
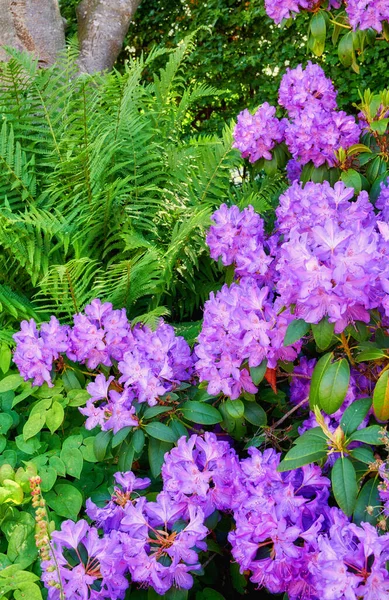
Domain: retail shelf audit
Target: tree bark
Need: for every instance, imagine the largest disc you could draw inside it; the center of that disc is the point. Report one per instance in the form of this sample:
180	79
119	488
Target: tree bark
102	27
32	25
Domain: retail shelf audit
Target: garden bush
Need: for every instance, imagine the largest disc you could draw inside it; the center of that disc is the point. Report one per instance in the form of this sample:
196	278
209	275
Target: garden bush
242	451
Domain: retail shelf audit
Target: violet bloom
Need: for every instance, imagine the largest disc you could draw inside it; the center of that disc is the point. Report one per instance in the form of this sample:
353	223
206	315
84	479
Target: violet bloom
366	14
301	88
110	516
256	135
293	170
157	555
203	471
36	350
285	9
241	326
237	237
90	567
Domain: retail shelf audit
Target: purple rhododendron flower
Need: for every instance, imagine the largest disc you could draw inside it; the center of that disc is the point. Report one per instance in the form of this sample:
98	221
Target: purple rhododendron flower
256	135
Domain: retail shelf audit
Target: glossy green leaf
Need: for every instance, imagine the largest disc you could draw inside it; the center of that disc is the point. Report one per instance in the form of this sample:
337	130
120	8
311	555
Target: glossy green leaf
11	382
344	484
354	415
381	397
254	414
323	333
65	500
369	435
317	376
55	416
34	425
295	331
368	497
156	453
160	431
258	373
101	443
73	461
199	412
333	386
235	408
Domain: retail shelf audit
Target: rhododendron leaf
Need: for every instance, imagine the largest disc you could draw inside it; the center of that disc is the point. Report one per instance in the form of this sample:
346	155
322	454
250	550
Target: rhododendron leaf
295	331
344	484
254	414
303	453
235	408
120	436
156	453
323	333
317	376
318	33
138	440
381	397
101	443
346	49
258	373
370	354
126	457
368	497
154	411
333	386
363	454
354	415
5	422
352	179
369	435
199	412
160	431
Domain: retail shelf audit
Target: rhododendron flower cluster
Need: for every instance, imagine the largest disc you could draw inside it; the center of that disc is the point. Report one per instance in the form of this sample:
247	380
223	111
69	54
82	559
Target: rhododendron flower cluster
147	364
255	135
285	535
361	14
314	130
242	326
327	259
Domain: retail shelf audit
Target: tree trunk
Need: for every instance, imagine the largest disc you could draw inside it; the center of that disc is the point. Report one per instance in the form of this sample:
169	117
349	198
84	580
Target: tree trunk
33	25
37	26
102	27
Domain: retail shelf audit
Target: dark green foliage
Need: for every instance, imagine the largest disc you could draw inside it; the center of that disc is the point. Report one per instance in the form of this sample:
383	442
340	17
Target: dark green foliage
103	193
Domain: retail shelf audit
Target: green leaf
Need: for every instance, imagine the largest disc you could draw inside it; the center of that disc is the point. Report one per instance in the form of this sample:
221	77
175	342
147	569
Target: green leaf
380	126
369	435
161	432
381	397
48	476
368	496
5	357
346	49
58	465
126	457
235	408
344	484
101	443
70	381
87	449
28	591
65	500
351	178
303	454
295	331
258	373
73	461
209	594
156	453
11	382
318	31
370	354
254	414
55	416
77	397
120	436
154	411
363	454
354	415
5	423
334	385
317	376
138	440
199	412
33	425
323	333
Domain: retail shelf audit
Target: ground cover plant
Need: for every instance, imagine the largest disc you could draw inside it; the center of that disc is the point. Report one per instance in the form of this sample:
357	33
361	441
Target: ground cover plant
243	451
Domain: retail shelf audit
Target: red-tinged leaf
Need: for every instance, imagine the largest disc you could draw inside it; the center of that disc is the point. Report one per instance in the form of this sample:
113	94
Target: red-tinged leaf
271	378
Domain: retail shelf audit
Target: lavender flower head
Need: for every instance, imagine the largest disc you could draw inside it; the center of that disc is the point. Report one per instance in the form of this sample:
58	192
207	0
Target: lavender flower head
256	135
366	14
285	9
